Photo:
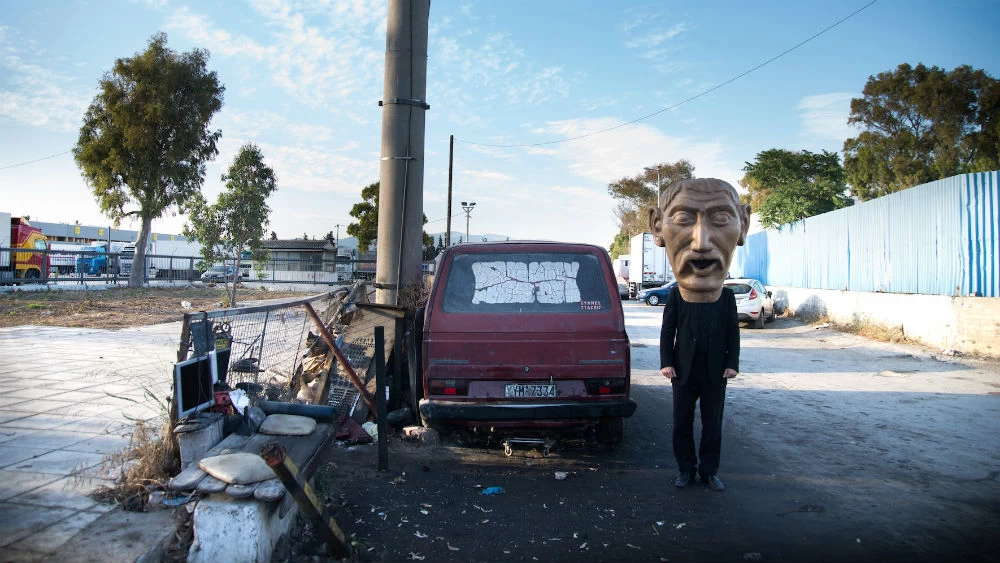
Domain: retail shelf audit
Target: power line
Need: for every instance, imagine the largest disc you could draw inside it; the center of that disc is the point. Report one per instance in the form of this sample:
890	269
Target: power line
34	161
695	97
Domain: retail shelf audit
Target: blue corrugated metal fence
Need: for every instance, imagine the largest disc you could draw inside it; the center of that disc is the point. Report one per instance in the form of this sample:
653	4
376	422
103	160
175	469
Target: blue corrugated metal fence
939	238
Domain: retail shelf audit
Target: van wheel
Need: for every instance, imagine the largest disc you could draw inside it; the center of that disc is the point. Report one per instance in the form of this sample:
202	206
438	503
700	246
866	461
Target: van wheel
611	431
653	300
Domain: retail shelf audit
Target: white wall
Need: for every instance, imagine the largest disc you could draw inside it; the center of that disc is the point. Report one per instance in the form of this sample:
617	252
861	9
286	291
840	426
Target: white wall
965	324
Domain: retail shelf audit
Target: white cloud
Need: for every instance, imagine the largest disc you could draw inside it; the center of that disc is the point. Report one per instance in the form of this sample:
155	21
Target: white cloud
824	116
624	151
487	177
655	39
321	65
36	95
488	68
577	193
199	29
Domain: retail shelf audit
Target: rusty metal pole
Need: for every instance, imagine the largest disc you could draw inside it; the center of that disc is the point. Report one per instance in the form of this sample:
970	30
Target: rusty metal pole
325	333
380	392
286	471
401	169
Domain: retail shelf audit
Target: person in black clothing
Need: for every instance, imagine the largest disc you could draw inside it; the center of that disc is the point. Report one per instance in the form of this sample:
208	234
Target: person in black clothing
700	222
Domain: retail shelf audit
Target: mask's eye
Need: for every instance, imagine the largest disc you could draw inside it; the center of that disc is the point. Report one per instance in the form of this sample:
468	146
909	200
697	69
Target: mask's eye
721	218
682	218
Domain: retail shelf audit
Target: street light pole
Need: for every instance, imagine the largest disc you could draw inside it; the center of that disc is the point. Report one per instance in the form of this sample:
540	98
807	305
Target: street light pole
650	169
467	207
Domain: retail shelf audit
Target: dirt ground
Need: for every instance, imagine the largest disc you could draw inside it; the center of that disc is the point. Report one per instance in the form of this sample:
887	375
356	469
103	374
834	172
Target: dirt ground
835	448
118	307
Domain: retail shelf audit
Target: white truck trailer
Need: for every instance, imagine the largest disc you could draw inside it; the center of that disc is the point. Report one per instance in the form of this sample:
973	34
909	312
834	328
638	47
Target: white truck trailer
174	259
648	265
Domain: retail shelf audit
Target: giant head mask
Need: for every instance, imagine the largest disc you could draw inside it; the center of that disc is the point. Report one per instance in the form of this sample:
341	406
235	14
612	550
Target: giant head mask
700	222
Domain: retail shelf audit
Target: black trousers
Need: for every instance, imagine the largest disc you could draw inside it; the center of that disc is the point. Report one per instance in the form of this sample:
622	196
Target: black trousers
712	396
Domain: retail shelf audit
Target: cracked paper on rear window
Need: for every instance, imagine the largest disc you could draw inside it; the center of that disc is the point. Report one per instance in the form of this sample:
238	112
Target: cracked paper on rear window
526	282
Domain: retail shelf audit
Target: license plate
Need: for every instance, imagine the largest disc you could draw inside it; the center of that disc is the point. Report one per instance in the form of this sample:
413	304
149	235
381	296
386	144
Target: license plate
523	391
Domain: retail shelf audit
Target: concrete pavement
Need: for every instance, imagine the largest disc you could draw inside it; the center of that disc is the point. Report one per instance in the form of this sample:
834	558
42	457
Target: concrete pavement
68	398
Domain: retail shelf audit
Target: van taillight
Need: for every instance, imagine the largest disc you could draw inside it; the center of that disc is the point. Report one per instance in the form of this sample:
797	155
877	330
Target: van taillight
606	386
753	293
449	387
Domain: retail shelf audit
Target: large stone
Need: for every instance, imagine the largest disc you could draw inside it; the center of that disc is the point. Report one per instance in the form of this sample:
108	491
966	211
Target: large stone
240	468
288	425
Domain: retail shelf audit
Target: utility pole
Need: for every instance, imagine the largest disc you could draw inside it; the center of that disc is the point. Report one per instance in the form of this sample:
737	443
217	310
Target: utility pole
337	243
467	207
451	161
401	169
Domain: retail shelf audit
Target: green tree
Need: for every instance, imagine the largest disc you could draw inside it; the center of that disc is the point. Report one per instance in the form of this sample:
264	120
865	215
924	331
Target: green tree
921	124
274	235
366	229
634	194
238	220
145	141
786	186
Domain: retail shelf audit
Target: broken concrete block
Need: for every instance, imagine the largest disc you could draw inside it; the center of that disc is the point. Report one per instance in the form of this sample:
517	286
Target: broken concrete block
236	530
197	437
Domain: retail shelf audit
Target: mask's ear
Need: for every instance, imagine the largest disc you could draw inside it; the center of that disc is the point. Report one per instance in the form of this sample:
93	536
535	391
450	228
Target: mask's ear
656	224
744	223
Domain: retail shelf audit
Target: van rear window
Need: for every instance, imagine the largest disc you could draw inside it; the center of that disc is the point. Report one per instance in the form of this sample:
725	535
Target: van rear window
526	282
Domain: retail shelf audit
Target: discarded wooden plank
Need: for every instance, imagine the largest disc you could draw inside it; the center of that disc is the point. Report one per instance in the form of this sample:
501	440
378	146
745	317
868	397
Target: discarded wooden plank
336	543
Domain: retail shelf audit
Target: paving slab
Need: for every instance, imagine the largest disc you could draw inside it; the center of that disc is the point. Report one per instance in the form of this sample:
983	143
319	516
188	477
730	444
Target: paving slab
12	455
50	539
59	462
68	399
17	521
13	483
67	492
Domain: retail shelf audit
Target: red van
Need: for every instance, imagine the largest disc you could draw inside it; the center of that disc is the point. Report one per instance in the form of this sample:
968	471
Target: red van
526	335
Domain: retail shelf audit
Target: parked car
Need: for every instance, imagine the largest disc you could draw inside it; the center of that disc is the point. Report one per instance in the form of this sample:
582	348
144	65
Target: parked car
524	338
218	273
754	303
623	290
656	295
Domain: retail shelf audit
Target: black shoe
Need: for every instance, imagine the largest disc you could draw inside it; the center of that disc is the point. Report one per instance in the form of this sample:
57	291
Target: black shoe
713	482
683	480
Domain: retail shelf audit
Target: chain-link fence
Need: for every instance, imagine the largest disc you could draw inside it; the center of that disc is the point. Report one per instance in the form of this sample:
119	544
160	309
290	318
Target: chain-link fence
93	264
281	351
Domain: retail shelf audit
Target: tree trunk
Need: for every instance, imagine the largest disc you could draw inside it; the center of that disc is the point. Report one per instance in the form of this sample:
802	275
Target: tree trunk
236	279
137	276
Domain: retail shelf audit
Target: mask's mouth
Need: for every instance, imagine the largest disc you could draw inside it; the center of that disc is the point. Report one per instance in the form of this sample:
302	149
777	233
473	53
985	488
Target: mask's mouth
702	266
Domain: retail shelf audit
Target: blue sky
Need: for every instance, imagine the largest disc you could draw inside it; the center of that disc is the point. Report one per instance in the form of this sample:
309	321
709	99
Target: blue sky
303	81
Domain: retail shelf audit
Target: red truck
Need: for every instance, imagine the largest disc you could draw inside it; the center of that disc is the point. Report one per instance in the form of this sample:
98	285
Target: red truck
29	266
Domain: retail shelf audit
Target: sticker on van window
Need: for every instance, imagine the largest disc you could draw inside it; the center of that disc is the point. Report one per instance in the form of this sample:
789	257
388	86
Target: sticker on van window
590	305
526	282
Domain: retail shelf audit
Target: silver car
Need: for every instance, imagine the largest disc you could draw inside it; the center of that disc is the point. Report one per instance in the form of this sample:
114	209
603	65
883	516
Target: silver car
754	302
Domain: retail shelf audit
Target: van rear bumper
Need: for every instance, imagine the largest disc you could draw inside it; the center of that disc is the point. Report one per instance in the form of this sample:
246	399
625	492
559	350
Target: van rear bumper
455	410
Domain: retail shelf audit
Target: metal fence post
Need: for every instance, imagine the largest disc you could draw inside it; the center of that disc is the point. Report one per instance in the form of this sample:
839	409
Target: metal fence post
380	391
